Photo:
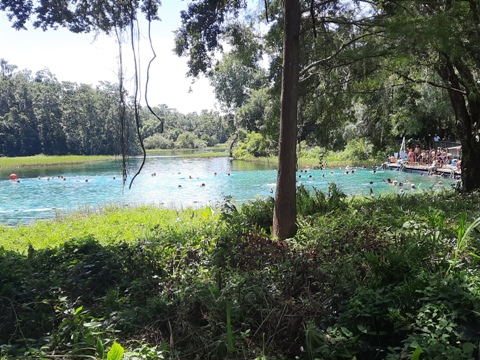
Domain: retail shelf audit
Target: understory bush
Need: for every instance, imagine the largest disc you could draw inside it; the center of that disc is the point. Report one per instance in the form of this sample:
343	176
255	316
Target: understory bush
395	277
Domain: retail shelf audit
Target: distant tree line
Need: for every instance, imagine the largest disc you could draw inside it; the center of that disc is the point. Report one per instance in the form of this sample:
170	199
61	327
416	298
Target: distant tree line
41	115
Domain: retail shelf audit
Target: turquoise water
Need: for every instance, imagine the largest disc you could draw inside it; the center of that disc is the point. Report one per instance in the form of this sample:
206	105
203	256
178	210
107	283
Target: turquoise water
44	192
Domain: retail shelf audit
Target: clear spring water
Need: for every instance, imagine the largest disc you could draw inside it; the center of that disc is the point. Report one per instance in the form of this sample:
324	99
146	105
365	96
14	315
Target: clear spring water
44	192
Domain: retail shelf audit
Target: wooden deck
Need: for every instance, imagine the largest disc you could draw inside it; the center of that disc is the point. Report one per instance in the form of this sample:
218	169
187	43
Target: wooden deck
422	169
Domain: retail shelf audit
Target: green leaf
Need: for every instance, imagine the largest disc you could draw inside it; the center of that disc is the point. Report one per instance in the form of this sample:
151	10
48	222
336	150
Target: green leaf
468	348
116	352
207	213
416	353
77	310
100	349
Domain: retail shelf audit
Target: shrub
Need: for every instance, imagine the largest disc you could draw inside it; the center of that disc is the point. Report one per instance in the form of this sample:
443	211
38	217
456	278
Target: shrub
254	145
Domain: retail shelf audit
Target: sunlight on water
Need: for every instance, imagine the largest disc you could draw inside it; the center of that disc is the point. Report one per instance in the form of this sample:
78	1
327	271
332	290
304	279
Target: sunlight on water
42	193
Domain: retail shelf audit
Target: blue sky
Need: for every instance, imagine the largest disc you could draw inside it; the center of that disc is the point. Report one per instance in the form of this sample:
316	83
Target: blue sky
84	58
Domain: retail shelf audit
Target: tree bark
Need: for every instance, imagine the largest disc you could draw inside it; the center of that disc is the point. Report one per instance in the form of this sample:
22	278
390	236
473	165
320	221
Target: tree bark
467	113
285	211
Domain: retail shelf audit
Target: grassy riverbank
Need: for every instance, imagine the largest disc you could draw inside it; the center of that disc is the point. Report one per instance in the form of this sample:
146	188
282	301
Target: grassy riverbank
47	160
389	278
185	153
307	162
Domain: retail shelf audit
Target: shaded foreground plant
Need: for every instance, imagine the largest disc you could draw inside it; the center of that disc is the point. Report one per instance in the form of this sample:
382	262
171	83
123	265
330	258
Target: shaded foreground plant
362	278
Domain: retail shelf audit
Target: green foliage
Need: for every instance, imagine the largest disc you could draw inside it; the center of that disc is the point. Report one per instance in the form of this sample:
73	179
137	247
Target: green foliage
357	150
187	140
254	145
362	278
108	225
158	141
116	352
316	202
41	115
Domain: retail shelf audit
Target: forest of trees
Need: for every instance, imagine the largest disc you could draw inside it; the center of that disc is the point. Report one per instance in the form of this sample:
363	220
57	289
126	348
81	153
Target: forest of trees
41	115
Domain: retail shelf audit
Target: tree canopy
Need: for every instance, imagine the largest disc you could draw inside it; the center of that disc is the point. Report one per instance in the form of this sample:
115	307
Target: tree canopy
80	16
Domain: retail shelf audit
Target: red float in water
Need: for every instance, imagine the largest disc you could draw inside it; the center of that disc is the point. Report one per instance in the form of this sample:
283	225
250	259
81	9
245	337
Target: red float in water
13	176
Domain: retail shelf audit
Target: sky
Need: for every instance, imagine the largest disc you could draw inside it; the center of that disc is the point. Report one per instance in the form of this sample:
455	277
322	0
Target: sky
84	58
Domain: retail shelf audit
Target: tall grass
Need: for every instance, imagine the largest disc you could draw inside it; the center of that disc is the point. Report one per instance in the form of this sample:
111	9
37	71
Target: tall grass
44	160
107	225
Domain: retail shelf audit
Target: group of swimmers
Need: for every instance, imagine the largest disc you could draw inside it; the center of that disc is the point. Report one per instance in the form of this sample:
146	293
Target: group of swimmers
399	183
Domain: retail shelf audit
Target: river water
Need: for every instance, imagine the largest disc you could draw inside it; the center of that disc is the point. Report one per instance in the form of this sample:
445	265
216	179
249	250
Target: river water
171	181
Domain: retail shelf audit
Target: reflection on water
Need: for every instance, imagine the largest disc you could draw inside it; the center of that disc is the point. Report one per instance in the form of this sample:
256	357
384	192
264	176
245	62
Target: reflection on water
44	192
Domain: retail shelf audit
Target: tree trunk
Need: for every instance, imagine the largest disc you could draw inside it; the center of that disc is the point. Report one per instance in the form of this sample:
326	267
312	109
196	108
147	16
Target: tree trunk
466	107
285	211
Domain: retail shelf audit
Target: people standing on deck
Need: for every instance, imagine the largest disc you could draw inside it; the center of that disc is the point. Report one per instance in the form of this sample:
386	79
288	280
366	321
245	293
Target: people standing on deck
423	158
411	156
417	153
433	156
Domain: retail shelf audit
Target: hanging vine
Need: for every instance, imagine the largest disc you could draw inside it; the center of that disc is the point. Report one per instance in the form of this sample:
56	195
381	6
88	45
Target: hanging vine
150	8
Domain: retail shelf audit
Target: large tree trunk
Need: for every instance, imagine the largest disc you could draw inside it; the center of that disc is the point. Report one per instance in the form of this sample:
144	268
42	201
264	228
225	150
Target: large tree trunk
466	106
285	211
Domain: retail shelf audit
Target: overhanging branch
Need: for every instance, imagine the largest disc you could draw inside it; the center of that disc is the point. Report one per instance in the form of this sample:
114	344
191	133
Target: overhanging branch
328	58
423	81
